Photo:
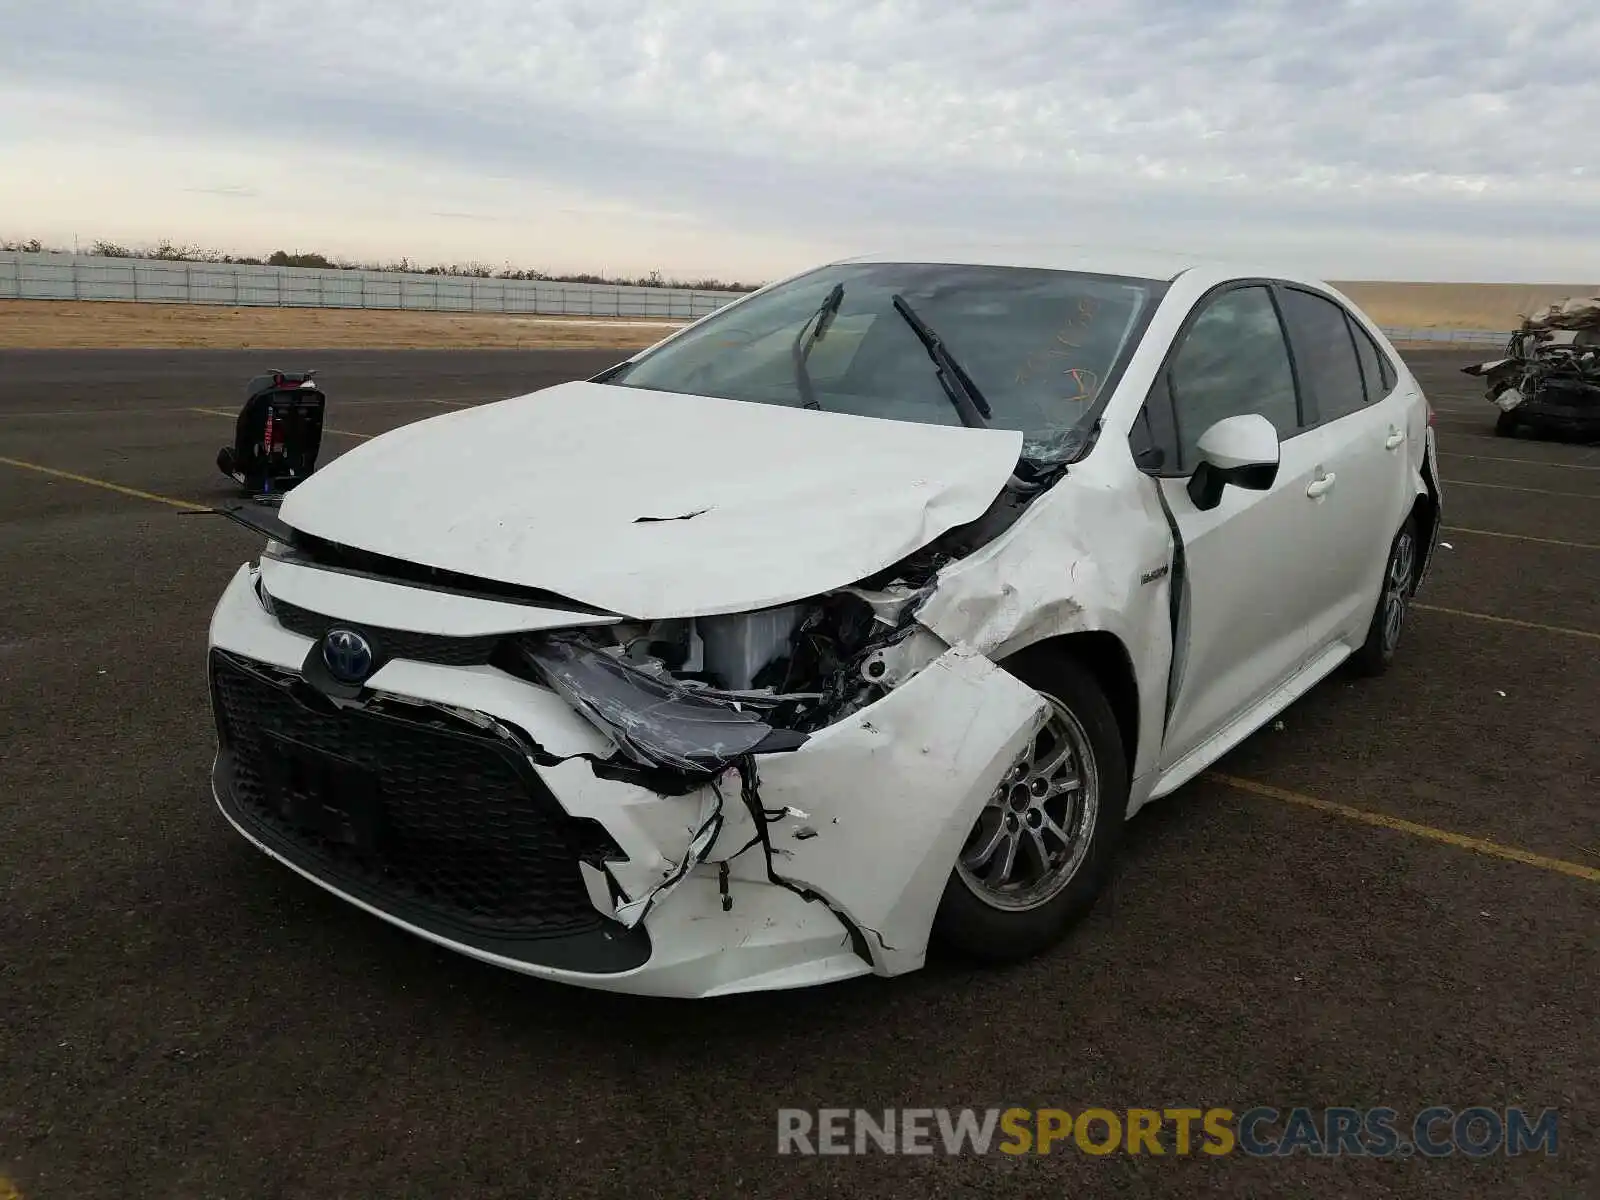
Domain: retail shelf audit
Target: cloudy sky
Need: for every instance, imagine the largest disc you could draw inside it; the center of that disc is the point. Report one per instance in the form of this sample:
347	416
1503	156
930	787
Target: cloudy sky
1427	139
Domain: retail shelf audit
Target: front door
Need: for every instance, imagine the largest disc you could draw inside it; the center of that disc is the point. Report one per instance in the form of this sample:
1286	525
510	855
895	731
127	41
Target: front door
1247	598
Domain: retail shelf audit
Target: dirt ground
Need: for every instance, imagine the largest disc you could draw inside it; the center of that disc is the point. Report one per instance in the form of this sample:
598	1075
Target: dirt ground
1458	305
108	325
103	325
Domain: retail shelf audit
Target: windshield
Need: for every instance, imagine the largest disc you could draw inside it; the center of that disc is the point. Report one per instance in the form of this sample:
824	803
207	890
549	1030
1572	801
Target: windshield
1039	347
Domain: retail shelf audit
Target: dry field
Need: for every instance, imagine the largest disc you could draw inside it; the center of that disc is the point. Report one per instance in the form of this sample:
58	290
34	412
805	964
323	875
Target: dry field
87	325
109	325
1498	306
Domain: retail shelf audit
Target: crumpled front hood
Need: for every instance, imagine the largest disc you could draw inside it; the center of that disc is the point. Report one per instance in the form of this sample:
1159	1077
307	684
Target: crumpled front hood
653	504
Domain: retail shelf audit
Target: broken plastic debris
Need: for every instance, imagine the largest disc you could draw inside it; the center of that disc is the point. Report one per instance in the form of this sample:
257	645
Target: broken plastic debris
632	912
1447	545
1499	692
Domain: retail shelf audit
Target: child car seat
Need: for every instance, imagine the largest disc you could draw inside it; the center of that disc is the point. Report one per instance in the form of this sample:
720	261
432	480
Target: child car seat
278	434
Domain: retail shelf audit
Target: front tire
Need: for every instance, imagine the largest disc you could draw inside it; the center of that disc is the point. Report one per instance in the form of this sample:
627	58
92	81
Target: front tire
1377	653
1036	859
1505	425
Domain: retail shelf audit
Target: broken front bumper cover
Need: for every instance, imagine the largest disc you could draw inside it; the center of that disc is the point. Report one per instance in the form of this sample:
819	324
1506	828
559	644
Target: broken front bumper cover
781	869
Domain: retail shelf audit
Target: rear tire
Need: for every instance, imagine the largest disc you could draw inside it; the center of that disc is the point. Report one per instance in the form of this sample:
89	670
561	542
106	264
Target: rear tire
1377	653
1061	840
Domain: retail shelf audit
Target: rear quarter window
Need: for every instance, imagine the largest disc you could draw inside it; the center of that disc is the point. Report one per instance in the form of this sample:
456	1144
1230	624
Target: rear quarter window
1371	358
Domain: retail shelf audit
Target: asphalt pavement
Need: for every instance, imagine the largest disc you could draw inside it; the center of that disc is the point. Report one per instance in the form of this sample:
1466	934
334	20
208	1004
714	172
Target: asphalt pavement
1391	897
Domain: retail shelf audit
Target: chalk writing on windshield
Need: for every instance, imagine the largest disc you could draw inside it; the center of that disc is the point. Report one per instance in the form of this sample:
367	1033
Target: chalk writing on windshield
1063	347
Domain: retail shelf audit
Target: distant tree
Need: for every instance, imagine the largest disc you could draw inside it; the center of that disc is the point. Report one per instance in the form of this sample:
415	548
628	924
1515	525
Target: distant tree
280	258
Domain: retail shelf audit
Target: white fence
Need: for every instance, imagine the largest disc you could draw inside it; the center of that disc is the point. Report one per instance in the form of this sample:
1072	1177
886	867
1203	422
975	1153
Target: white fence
25	276
1455	337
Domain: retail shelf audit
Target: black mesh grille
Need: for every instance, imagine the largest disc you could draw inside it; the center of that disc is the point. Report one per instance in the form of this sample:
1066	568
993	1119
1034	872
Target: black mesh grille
446	828
394	643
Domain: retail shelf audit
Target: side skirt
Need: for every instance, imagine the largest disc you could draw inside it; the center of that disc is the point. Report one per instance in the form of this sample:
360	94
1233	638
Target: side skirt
1252	719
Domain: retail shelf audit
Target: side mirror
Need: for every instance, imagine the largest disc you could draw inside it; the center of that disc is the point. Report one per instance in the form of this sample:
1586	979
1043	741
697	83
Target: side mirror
1241	450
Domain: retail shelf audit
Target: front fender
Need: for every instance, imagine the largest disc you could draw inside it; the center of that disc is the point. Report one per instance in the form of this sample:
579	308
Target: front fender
1094	555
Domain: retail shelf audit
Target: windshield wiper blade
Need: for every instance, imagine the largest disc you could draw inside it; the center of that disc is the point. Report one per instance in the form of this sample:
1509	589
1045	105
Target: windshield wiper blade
964	394
817	325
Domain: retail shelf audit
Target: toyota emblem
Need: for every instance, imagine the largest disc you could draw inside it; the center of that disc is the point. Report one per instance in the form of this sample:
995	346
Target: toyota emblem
347	654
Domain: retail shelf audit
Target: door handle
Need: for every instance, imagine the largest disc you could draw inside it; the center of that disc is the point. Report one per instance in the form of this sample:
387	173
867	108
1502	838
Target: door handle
1320	486
1396	436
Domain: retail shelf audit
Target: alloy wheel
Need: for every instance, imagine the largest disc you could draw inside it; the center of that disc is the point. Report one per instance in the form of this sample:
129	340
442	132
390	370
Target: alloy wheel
1034	833
1397	589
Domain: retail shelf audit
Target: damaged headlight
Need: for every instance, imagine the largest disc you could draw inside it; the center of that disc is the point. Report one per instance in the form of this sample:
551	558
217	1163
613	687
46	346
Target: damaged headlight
656	721
697	695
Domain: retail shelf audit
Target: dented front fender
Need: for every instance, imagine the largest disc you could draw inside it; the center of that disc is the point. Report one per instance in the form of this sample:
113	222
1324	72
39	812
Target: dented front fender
1093	555
890	795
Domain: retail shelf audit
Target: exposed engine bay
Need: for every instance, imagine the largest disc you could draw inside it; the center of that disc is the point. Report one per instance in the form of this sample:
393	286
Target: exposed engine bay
695	695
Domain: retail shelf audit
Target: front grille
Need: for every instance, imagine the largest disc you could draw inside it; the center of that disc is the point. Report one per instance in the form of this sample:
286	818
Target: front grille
447	828
393	643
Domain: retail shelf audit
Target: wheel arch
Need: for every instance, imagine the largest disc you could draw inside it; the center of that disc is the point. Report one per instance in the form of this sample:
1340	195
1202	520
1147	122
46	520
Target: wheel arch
1105	657
1427	508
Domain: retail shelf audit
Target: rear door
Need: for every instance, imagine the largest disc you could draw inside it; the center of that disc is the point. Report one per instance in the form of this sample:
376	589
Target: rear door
1247	590
1359	432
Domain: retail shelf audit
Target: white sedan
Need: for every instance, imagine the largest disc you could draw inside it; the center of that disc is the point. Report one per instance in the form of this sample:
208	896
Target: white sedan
855	618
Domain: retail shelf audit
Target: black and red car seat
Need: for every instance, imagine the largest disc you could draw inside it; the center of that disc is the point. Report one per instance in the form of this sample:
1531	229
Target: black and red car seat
278	434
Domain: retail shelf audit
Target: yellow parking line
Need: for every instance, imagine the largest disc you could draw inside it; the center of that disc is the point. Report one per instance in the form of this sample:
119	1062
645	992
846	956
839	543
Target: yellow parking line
107	485
1507	487
1478	616
1520	537
217	412
1384	821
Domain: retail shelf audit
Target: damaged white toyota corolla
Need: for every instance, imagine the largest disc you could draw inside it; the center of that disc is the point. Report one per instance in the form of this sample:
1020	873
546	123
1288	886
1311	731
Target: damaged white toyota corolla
857	616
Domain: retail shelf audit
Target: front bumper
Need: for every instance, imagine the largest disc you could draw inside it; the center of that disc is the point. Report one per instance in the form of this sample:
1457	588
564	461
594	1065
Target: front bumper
502	850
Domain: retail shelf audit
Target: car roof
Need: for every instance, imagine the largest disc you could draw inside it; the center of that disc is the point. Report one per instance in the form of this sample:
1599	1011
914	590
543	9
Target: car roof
1132	262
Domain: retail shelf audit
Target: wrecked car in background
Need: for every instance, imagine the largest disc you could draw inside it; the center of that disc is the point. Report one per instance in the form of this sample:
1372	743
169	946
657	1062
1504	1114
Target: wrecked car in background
1549	377
855	617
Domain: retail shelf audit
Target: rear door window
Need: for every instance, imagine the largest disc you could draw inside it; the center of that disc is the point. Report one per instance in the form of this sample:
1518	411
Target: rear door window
1325	351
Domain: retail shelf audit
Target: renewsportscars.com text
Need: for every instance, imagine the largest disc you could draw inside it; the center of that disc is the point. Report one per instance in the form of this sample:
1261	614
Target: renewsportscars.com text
1437	1132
